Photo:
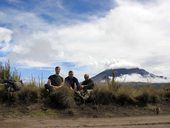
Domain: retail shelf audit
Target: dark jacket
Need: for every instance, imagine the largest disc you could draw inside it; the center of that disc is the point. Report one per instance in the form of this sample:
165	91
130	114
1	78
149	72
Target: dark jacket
88	84
72	81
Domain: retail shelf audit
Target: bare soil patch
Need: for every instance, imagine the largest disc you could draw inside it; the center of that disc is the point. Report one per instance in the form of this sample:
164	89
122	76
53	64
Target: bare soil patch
162	121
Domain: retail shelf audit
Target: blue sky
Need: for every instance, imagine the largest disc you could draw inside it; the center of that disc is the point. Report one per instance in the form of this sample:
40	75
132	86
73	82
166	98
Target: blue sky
60	11
86	36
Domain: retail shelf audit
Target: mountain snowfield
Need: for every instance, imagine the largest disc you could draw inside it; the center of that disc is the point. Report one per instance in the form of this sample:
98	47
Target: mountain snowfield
130	75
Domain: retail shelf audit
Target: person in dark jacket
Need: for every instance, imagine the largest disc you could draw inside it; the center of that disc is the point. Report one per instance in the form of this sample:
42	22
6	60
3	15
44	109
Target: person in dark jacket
54	81
87	83
72	81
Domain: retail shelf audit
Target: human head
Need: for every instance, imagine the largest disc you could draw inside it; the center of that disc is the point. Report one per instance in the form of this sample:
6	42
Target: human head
86	76
70	74
57	70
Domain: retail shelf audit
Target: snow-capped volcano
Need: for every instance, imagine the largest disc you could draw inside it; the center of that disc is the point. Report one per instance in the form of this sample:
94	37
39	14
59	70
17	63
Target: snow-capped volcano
129	75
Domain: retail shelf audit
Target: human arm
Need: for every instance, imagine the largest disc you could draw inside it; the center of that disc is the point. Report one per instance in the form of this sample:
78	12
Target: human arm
76	85
49	82
61	83
57	87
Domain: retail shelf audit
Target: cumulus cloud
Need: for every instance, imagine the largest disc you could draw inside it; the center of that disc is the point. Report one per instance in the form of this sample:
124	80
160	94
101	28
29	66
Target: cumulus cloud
5	38
132	34
139	78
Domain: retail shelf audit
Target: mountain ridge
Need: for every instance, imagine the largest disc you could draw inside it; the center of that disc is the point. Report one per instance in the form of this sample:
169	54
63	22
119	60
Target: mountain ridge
119	72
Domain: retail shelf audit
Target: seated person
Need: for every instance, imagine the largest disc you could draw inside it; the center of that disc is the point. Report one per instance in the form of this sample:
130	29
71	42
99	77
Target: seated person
87	83
72	81
54	81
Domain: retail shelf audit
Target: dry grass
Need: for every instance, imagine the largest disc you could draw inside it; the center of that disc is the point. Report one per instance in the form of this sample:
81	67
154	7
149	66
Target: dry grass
61	98
103	95
128	95
28	94
6	73
113	93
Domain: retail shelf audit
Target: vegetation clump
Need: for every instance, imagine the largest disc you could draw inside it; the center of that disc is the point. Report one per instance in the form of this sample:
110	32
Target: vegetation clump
61	98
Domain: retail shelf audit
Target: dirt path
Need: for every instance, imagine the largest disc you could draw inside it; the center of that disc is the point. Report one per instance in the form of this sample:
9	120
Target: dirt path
119	122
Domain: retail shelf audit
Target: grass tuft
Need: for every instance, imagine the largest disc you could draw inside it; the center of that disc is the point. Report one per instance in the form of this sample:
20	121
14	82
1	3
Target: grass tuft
103	95
62	98
28	94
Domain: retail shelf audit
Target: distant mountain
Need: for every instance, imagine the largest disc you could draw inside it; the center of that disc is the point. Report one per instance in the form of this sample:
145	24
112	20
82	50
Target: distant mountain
120	72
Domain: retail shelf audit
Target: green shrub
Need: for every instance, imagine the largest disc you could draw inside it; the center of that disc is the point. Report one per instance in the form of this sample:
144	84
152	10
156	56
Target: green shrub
126	95
61	98
3	93
148	95
6	73
124	99
164	93
7	97
28	94
103	95
43	93
167	94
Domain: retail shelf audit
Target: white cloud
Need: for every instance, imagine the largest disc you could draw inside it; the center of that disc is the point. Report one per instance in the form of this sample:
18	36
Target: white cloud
31	63
5	38
127	36
5	34
139	78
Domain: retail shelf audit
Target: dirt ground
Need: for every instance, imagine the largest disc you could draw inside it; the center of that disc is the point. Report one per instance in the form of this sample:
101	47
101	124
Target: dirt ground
161	121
